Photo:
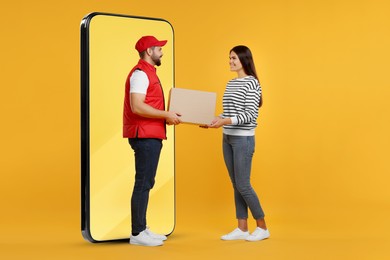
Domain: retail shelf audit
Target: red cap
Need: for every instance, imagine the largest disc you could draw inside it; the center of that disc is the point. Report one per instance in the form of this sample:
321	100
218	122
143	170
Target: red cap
147	42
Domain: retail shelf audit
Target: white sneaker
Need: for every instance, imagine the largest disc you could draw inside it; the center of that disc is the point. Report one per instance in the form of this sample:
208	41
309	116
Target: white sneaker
236	234
258	234
155	236
143	239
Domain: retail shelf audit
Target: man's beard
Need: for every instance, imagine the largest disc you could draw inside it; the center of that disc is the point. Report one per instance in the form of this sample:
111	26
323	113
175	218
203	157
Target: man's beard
157	60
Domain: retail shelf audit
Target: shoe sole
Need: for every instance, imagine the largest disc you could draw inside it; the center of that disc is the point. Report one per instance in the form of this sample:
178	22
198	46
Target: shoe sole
141	244
257	239
231	239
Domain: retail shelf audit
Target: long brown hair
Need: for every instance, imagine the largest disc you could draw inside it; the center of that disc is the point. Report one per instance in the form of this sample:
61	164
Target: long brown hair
245	56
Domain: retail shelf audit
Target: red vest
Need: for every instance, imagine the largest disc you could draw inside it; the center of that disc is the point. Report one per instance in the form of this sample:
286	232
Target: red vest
138	126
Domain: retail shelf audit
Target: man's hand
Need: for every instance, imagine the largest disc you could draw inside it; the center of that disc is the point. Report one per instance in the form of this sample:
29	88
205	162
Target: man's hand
173	118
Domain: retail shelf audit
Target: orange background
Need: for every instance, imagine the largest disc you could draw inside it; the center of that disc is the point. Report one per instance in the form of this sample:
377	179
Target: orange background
321	163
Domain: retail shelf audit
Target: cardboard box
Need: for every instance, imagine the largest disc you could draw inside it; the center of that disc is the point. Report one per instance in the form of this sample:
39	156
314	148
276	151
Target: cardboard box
195	107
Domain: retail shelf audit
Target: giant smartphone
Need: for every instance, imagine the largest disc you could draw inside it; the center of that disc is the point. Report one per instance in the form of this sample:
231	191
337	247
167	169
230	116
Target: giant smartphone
107	160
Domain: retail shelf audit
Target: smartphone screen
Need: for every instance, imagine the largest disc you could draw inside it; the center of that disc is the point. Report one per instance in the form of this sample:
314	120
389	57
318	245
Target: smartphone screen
107	160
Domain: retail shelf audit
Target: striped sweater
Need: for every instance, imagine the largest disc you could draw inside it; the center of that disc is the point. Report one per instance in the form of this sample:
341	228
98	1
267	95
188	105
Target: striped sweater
241	103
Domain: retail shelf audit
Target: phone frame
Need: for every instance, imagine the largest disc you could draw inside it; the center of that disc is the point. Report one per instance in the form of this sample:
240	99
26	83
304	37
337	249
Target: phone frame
85	123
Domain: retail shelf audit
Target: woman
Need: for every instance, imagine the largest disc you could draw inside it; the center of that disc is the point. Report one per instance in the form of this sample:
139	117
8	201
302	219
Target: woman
241	102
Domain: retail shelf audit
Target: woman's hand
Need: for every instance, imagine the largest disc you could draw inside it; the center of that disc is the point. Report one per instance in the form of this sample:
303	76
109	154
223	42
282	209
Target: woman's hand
218	122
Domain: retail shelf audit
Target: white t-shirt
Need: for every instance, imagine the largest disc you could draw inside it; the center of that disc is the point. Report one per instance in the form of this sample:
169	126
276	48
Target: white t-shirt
139	82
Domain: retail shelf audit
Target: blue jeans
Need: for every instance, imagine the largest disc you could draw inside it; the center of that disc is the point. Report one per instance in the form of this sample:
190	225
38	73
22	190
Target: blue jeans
238	152
147	154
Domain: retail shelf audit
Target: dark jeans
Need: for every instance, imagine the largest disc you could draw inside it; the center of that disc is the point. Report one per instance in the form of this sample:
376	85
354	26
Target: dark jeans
238	152
147	154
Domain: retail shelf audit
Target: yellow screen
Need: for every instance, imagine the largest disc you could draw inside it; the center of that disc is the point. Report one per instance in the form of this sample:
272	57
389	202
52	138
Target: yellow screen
112	169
